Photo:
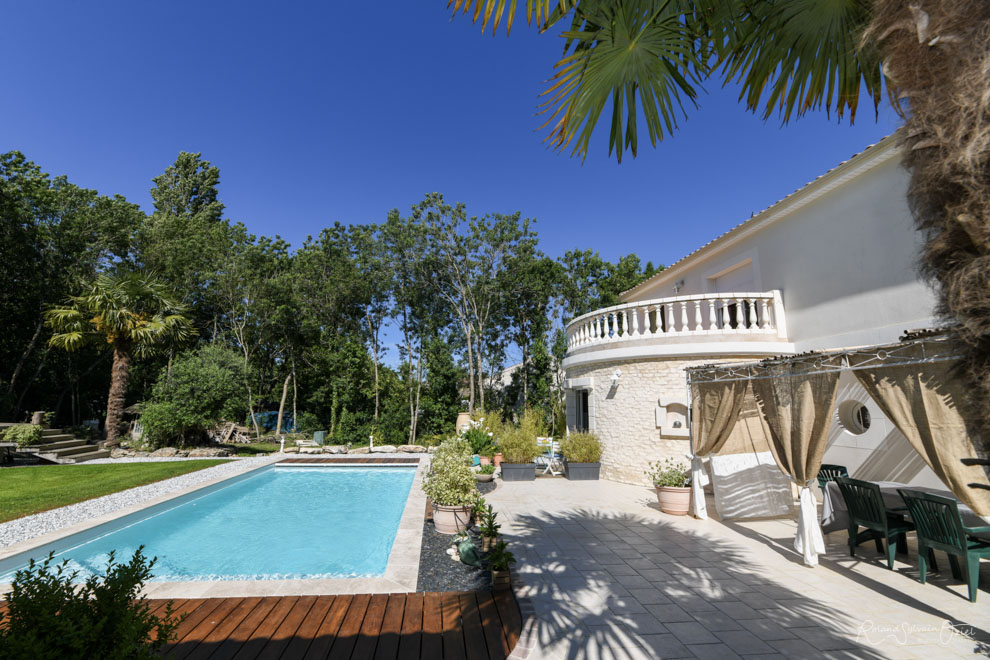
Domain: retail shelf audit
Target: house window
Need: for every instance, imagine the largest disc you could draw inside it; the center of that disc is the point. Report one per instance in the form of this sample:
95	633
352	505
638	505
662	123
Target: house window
854	417
581	411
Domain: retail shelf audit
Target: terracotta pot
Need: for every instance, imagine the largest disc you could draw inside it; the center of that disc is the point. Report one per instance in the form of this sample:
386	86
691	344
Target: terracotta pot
501	579
673	500
451	519
485	460
497	459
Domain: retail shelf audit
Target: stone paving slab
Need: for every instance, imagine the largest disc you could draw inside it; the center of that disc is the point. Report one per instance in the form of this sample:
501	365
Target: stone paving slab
602	573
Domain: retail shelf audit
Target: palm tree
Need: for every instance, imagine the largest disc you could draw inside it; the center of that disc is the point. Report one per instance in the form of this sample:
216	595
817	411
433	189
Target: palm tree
650	58
134	313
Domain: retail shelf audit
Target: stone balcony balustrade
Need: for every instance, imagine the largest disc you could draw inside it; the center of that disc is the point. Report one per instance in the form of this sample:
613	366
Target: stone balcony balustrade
729	324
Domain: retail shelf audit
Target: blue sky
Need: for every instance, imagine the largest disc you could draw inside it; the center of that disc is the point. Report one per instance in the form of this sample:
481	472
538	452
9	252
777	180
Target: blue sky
318	112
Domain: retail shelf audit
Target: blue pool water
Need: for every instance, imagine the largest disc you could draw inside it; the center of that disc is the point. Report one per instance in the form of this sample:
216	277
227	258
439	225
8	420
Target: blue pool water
282	523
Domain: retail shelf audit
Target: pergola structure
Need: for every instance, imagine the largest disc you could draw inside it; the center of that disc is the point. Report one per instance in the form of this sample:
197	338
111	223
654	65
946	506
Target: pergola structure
790	401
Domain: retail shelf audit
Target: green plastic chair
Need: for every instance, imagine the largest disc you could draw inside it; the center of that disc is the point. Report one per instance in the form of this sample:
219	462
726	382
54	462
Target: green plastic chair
866	509
940	527
827	473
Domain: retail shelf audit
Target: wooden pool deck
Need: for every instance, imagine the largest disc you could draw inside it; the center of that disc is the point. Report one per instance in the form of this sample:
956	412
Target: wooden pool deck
479	625
472	625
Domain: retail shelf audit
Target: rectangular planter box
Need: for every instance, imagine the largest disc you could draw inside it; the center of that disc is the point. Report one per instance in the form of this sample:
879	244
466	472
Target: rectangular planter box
582	471
518	471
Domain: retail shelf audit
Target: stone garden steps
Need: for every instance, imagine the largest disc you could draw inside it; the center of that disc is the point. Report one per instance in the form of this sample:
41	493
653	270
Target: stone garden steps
59	447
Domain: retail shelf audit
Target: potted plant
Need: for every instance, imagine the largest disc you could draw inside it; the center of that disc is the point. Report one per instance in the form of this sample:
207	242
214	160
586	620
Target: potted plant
480	441
672	481
582	454
499	561
485	473
519	448
450	487
488	527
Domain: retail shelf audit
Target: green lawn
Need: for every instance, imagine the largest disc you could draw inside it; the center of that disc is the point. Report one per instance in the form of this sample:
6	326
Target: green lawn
28	490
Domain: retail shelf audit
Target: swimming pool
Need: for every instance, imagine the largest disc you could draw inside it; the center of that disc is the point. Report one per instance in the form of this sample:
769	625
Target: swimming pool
277	523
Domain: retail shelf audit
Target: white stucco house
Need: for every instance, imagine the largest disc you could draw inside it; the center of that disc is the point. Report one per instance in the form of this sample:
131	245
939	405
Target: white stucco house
831	266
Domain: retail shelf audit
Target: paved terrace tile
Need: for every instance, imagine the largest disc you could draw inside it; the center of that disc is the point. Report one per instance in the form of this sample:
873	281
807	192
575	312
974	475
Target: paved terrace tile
602	573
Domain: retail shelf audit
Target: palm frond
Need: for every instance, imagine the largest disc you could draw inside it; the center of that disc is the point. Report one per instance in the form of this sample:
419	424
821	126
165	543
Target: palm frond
634	53
800	55
542	13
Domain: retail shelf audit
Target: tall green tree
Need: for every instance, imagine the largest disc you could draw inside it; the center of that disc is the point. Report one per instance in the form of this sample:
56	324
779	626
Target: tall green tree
373	291
184	240
55	236
591	282
136	315
246	292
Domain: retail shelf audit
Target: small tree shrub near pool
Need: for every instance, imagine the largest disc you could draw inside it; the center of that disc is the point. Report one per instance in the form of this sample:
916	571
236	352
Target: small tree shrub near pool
23	434
581	448
204	387
50	617
456	448
450	481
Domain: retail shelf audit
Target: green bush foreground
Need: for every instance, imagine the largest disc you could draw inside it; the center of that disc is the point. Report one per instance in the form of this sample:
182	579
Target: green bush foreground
50	616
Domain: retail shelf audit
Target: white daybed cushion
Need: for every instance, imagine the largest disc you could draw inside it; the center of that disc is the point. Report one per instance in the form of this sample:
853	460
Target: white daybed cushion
750	486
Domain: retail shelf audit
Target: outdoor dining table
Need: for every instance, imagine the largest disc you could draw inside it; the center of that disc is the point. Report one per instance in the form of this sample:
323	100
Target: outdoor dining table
835	515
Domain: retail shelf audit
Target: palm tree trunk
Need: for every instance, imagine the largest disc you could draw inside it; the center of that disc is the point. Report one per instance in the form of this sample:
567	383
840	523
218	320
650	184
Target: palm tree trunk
120	373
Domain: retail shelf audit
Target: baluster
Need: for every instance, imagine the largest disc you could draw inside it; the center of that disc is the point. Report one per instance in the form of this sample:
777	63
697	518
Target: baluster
753	320
649	317
741	314
726	318
764	314
635	322
625	324
669	316
684	316
697	316
712	319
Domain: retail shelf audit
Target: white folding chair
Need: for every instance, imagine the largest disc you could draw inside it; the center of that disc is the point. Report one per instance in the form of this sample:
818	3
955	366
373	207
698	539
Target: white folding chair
550	457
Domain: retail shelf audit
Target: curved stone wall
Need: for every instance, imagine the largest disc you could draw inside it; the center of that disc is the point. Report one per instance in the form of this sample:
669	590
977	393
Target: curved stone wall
624	417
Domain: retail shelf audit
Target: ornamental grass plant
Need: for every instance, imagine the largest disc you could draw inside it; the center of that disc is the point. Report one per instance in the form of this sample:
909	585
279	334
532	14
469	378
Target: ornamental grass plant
581	448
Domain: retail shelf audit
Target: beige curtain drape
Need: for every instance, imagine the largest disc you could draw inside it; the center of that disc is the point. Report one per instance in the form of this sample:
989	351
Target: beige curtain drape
750	435
922	400
798	411
714	410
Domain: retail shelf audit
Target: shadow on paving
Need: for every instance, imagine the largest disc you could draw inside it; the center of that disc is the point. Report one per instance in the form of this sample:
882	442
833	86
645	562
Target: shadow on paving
618	585
838	560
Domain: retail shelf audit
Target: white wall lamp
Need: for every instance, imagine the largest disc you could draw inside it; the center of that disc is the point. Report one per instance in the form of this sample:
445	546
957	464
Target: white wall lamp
616	375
